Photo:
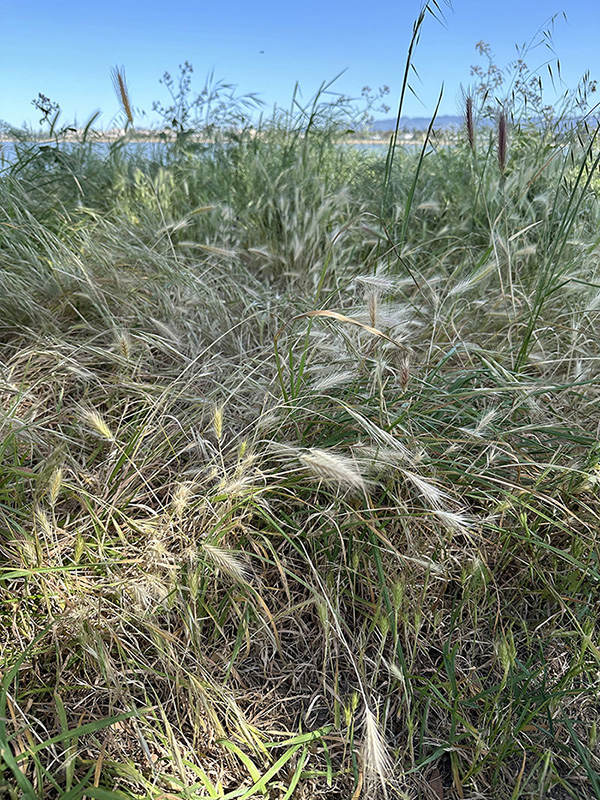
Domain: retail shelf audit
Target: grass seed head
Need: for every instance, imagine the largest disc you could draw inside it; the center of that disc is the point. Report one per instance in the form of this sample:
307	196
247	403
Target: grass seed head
44	523
98	424
333	467
427	490
372	298
484	421
376	282
54	485
502	141
181	498
379	435
382	459
120	86
230	562
404	371
454	520
377	761
123	342
470	122
333	380
147	594
218	422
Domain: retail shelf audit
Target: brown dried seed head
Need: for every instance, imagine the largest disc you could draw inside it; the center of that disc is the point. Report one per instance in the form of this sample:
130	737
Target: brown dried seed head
120	85
470	123
502	141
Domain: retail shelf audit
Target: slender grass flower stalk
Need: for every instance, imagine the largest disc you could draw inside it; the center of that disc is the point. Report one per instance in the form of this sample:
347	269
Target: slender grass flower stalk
502	142
470	122
327	465
334	379
117	75
404	371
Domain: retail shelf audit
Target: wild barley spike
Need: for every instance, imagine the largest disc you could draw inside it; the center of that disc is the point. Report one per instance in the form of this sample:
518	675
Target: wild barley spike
120	85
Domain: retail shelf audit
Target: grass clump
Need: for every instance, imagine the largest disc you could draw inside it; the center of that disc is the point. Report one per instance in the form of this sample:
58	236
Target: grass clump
299	488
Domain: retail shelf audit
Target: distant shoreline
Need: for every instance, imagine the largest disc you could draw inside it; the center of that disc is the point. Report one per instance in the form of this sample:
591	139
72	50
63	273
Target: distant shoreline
112	137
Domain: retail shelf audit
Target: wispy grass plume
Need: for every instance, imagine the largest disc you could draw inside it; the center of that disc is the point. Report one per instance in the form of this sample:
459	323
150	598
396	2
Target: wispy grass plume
376	757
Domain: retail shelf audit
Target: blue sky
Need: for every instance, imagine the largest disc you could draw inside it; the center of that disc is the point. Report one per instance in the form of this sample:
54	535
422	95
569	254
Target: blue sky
65	48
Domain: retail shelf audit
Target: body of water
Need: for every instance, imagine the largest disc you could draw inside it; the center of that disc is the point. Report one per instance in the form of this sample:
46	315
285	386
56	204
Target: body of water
11	151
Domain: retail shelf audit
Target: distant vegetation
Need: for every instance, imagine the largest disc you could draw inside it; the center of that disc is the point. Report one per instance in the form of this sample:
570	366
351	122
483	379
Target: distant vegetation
300	459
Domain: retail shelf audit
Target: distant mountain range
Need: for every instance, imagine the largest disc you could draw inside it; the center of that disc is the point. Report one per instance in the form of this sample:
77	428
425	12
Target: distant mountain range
449	122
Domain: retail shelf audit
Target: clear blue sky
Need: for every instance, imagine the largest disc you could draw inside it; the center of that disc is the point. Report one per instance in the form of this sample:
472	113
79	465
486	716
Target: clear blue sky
65	48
